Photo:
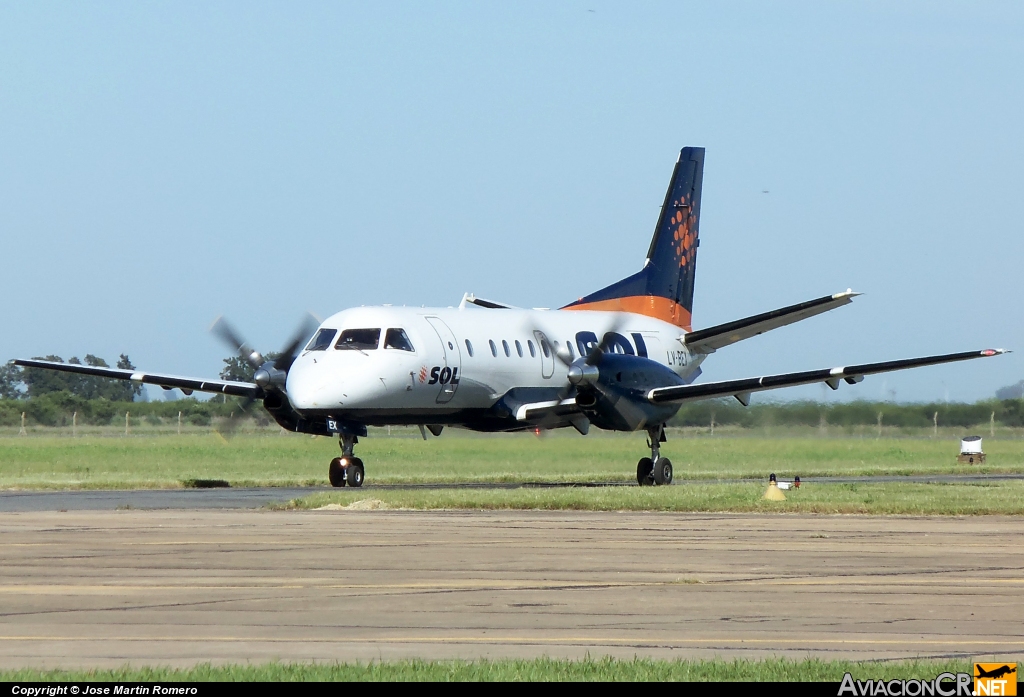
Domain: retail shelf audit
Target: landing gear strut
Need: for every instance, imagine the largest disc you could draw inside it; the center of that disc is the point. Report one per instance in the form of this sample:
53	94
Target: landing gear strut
348	468
654	469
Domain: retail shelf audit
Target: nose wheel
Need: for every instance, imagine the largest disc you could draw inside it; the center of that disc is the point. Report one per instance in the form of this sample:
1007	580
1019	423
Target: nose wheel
654	469
347	469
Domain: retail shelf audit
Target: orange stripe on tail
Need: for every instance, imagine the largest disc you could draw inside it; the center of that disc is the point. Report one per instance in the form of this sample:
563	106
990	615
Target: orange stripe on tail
648	305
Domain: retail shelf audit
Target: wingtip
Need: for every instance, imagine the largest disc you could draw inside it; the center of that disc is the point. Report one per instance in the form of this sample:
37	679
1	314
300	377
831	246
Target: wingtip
848	293
995	352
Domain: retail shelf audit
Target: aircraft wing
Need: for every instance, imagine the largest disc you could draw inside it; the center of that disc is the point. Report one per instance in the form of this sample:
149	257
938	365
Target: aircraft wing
707	340
742	389
185	384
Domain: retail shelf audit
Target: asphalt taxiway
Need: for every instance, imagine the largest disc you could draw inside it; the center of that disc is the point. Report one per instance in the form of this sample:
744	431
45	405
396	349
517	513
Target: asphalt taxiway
179	587
255	497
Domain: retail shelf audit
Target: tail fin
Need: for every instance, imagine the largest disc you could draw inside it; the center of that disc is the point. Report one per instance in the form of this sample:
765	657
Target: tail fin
664	287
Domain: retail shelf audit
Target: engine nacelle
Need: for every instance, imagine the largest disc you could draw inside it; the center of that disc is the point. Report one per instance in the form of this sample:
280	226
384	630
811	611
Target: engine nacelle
615	398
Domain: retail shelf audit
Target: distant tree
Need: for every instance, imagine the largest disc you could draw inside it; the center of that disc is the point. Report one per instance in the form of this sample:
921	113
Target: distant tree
1015	391
88	386
238	369
11	381
40	381
1011	412
130	390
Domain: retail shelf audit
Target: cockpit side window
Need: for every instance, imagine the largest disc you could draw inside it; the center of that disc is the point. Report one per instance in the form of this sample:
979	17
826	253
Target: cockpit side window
322	340
397	339
359	339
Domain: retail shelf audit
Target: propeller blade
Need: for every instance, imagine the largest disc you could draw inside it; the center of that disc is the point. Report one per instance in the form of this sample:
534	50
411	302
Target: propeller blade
227	428
592	358
306	328
629	412
596	353
552	420
226	333
561	353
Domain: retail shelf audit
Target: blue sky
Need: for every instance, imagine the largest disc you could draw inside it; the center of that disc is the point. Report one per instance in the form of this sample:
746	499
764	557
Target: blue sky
164	163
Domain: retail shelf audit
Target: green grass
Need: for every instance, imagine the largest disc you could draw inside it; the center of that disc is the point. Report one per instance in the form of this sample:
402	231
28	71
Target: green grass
605	669
276	459
1001	498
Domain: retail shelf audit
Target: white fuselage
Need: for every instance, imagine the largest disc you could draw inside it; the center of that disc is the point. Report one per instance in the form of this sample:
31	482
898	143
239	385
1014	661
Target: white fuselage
462	358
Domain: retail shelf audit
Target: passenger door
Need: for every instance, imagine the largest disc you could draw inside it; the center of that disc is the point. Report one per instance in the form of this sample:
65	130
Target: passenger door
448	377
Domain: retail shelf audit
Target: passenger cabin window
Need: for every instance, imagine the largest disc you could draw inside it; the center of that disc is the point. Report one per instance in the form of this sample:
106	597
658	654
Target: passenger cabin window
469	348
504	345
397	339
572	354
359	339
545	348
519	348
322	340
533	351
494	349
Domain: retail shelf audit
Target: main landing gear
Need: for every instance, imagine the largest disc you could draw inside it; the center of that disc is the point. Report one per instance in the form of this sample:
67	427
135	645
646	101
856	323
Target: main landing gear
654	469
348	468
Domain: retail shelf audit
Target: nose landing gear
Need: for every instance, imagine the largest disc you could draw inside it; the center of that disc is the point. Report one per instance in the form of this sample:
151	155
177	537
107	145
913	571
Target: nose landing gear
348	468
654	469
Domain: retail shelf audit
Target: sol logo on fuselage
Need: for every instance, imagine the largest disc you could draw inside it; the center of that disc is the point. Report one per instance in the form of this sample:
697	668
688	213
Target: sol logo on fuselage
445	375
617	343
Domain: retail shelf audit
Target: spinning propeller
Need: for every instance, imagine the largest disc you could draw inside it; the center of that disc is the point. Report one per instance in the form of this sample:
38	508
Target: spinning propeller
584	375
271	375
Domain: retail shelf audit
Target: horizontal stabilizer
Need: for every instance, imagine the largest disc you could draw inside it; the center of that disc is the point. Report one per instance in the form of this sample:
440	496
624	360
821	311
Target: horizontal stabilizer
741	389
187	385
712	338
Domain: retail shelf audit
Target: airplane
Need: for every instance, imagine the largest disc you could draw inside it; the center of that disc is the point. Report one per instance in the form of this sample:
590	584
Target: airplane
623	358
994	673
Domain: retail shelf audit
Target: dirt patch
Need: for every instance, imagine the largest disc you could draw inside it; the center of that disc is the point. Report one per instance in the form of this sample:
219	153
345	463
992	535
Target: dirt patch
360	505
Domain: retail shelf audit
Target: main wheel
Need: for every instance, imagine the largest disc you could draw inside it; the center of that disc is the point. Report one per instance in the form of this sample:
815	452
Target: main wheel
643	471
663	471
336	473
355	472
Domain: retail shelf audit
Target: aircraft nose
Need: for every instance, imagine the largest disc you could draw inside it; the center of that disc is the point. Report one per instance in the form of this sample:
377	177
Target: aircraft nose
303	388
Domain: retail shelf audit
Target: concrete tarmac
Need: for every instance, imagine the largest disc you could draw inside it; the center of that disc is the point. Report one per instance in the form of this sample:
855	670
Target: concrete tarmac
180	587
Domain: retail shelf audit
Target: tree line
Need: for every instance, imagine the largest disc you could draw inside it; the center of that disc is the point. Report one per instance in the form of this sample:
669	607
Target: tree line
60	408
53	398
25	383
728	412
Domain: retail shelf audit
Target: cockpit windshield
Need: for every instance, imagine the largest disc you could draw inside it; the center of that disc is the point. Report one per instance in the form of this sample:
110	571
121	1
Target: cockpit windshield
322	340
397	339
359	339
